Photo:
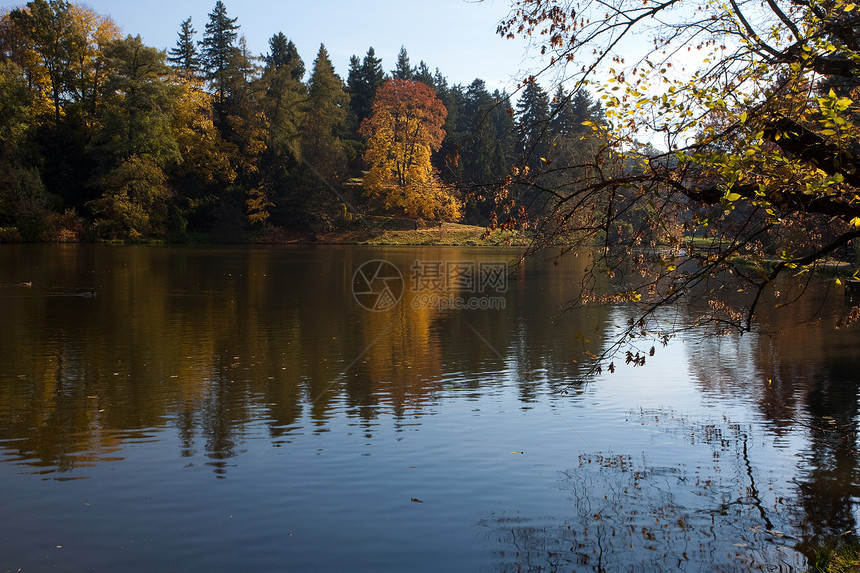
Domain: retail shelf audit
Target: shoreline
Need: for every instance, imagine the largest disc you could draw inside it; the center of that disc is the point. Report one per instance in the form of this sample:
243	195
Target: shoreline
386	231
447	234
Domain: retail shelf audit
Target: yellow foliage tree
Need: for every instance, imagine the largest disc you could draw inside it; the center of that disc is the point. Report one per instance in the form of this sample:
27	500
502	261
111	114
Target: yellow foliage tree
59	47
205	157
89	68
403	131
21	51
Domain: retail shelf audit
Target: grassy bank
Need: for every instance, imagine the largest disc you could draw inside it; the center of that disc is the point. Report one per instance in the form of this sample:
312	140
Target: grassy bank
369	231
396	231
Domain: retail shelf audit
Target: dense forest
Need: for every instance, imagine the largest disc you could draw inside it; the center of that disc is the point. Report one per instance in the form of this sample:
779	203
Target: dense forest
104	137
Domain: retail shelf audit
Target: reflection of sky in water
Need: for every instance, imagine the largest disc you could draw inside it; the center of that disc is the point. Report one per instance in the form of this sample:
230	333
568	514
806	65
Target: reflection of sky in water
448	431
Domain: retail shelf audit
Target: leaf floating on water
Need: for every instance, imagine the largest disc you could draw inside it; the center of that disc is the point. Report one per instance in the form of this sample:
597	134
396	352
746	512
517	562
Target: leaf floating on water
416	500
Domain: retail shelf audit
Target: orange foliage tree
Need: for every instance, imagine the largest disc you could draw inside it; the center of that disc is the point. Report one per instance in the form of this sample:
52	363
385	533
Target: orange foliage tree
403	131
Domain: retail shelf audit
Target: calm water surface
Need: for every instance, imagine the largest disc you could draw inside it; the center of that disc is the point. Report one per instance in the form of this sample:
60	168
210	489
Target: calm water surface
237	409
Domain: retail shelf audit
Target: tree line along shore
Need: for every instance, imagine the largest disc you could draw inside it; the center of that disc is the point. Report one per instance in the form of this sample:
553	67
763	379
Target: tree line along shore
105	138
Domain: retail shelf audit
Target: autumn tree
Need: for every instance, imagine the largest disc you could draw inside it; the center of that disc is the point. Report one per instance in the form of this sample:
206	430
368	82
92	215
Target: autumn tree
24	201
753	153
403	132
136	142
50	28
58	48
249	129
207	136
90	69
67	40
207	165
16	108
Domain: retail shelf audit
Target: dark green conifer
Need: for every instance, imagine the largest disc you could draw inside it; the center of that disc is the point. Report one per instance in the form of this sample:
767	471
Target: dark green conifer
184	57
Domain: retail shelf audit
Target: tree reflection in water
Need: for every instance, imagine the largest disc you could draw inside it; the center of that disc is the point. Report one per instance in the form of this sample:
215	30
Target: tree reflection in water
801	373
627	513
226	346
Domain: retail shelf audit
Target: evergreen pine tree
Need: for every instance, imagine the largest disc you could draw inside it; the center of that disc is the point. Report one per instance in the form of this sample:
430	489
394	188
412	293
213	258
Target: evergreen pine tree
354	76
362	83
353	83
533	144
184	57
283	52
585	108
440	83
372	74
502	116
479	143
560	122
323	146
244	68
327	108
568	111
532	122
401	70
277	51
283	104
422	74
297	66
453	99
218	50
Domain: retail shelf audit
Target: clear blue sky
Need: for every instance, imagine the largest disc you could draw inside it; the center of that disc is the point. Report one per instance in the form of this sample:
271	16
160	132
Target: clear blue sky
457	36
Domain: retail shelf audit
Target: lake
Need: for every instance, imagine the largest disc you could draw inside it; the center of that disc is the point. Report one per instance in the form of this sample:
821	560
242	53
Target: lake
345	408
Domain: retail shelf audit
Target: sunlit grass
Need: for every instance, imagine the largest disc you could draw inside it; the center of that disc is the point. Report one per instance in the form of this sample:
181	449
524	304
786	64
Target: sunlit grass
836	557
